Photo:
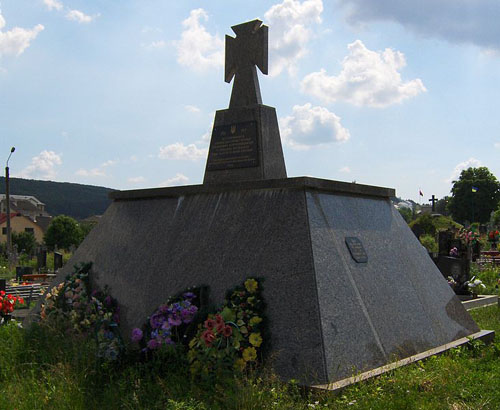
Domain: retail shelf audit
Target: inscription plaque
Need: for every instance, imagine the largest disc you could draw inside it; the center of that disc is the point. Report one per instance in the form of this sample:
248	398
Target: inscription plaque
356	249
234	146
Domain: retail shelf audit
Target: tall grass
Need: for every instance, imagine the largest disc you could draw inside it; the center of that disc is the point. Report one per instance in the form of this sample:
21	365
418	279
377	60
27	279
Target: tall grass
41	368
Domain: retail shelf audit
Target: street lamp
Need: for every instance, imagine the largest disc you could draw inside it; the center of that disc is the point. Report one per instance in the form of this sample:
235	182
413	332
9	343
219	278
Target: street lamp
7	199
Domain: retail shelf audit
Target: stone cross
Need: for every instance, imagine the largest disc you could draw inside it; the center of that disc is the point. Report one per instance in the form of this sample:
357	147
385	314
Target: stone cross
433	200
243	53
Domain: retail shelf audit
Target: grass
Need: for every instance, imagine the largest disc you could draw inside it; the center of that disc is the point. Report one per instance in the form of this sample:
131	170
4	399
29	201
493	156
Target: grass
42	369
9	273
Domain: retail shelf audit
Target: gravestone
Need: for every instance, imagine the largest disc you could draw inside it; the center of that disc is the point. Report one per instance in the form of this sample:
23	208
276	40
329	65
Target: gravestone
417	230
41	259
444	241
347	285
58	261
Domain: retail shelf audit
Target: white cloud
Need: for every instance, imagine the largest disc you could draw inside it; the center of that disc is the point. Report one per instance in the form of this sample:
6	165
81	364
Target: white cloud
96	172
345	170
497	145
368	78
136	180
42	166
471	162
80	16
457	21
192	108
109	163
179	179
16	40
155	45
197	48
53	5
181	151
291	23
310	126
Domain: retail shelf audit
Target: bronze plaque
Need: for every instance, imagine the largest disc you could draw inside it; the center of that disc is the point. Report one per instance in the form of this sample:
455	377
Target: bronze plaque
234	146
356	249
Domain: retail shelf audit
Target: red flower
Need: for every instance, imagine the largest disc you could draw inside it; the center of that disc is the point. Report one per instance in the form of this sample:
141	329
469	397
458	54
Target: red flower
227	331
208	337
209	324
219	319
220	327
2	293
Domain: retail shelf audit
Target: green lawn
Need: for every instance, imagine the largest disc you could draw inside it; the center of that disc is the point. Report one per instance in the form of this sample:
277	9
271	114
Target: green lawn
43	370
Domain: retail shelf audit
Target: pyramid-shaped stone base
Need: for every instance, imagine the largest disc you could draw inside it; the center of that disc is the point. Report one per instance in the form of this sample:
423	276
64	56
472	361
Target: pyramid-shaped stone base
330	316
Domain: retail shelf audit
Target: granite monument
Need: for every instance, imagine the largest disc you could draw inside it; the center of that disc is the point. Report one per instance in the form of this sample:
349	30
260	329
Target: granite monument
347	285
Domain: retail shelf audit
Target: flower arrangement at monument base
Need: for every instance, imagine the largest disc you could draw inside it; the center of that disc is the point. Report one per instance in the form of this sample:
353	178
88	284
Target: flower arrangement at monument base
233	337
172	323
7	305
74	309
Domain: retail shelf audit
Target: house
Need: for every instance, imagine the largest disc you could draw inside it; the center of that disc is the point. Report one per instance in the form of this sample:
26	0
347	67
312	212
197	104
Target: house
27	214
20	223
25	205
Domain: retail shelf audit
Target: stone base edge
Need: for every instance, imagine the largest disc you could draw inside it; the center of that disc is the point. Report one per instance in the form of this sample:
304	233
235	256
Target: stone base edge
486	336
481	301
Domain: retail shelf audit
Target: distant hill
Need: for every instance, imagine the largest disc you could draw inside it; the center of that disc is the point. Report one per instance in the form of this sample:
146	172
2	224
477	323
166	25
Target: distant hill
62	198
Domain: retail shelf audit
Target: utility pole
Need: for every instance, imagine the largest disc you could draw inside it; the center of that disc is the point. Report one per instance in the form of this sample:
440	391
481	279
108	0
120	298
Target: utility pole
7	198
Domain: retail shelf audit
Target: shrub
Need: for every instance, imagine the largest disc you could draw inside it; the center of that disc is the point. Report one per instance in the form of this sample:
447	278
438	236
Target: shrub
429	243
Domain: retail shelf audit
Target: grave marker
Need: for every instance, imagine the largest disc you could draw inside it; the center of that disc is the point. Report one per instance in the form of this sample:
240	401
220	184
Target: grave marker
347	285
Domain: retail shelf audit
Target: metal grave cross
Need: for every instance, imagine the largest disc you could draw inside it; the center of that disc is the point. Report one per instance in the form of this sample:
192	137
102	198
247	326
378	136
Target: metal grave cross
433	200
243	53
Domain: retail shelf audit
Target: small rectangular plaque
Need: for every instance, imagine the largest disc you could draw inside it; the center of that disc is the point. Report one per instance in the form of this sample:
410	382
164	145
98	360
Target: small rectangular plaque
356	249
234	146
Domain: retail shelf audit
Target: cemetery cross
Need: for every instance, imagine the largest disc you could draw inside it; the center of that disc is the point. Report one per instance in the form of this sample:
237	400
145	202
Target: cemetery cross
243	53
433	200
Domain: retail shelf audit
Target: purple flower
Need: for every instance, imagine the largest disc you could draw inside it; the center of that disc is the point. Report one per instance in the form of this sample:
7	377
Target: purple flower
156	320
189	295
153	344
163	309
136	334
174	320
108	300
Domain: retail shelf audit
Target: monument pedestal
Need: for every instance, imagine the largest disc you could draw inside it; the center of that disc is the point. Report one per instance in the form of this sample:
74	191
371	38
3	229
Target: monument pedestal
245	145
335	306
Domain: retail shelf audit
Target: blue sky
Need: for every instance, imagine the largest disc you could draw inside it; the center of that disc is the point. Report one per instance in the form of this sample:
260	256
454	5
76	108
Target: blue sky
123	94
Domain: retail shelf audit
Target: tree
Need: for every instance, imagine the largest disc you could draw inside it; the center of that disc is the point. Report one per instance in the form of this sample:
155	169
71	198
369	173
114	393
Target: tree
466	205
426	224
63	231
406	213
442	206
25	241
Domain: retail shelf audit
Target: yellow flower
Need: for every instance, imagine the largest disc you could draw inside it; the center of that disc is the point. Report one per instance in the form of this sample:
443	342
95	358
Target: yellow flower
249	354
240	364
255	320
255	339
251	285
